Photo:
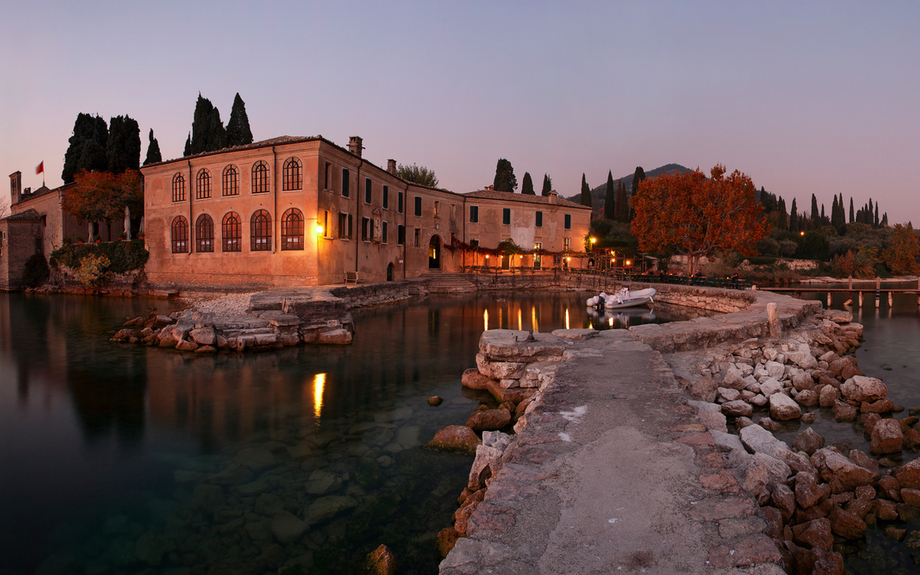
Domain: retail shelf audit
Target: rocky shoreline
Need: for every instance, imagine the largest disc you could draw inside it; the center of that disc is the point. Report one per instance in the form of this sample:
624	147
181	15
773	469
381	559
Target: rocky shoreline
814	500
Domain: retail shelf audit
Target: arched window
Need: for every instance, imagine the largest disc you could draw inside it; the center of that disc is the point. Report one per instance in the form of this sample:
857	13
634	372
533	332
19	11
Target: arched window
292	230
178	188
231	181
259	177
231	232
204	234
203	184
179	234
291	175
260	232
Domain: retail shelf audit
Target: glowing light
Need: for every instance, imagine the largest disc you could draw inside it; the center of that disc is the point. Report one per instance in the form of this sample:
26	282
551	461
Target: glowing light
520	320
319	230
319	383
485	320
610	321
533	319
567	318
629	262
501	318
593	240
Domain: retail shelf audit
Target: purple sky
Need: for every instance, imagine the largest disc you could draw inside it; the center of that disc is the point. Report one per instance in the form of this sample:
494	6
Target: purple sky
817	97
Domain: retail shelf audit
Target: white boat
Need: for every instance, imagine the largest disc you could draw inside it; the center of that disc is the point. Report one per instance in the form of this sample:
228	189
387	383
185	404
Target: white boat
625	298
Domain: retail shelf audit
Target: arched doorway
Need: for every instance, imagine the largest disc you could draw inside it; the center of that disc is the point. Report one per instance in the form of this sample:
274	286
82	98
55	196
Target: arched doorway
434	253
390	272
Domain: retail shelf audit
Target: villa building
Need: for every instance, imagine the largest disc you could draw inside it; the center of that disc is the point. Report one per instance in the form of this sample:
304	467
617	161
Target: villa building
303	211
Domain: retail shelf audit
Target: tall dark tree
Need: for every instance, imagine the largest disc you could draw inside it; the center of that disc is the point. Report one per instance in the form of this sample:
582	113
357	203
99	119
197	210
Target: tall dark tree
782	217
153	150
87	149
838	218
505	181
238	132
622	211
814	210
187	151
585	192
527	185
547	185
852	213
638	177
208	134
793	218
123	146
610	202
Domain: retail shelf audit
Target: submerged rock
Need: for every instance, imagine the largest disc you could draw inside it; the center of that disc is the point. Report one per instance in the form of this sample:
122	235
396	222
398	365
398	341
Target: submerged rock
458	438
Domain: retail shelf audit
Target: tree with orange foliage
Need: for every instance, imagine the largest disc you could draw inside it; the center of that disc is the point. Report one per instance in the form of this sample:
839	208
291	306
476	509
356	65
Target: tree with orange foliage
103	196
693	215
901	254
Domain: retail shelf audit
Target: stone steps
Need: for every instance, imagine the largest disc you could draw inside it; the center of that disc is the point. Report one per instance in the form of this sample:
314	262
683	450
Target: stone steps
449	283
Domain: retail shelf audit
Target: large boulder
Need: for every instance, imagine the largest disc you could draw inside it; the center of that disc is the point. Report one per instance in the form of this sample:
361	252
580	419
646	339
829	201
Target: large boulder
783	407
489	420
808	441
860	388
886	437
908	475
832	465
458	438
808	492
815	534
759	440
286	527
381	561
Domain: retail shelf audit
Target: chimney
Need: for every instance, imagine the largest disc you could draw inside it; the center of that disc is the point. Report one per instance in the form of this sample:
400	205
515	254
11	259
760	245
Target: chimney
391	166
552	196
354	145
15	187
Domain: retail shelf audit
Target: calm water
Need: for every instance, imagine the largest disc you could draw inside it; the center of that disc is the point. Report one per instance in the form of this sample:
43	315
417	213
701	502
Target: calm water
121	459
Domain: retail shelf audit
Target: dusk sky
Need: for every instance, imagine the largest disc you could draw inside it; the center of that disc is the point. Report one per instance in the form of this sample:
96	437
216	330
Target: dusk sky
804	97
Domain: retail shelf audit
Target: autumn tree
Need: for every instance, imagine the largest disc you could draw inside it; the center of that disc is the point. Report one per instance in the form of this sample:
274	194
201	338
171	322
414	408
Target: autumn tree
547	185
695	216
103	196
153	150
901	253
505	181
238	131
418	175
610	205
527	185
585	192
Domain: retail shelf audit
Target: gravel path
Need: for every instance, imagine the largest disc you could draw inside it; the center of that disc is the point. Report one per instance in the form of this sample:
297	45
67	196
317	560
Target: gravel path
228	304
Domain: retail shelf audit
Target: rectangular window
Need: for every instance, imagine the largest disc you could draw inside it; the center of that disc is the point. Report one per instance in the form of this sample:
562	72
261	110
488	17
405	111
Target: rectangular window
366	227
568	221
399	202
566	244
418	205
386	197
400	235
345	175
539	219
474	214
417	236
368	191
344	225
506	216
383	232
327	231
327	177
537	258
437	209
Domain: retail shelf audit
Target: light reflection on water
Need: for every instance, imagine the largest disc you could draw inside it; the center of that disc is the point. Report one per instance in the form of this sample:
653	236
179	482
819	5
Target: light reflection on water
116	458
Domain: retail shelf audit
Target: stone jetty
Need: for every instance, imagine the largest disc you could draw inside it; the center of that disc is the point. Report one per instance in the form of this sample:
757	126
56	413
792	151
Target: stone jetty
637	450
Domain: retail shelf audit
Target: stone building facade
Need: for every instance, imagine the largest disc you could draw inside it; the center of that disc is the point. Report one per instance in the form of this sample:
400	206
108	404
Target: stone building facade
304	211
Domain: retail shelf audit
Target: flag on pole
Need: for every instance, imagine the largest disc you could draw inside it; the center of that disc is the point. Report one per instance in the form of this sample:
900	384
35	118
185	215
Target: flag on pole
40	169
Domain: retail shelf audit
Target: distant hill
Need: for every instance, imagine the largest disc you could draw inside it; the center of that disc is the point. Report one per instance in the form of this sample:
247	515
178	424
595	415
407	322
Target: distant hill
598	193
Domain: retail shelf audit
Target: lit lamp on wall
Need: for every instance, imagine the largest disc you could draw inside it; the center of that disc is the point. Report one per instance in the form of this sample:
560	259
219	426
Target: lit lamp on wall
319	229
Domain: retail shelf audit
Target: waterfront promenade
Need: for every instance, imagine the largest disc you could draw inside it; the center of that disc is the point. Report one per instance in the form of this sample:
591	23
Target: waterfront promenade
615	473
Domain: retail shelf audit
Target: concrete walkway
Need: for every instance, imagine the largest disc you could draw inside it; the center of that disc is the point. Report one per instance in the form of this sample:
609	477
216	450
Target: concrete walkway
614	473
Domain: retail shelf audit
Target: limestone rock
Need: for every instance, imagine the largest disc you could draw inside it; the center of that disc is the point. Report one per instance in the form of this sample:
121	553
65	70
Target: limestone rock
770	386
203	335
815	534
861	388
486	464
808	441
808	398
490	419
832	465
828	395
734	379
886	437
844	412
783	407
459	438
338	336
447	538
287	528
326	508
908	475
847	524
759	440
808	492
381	561
736	408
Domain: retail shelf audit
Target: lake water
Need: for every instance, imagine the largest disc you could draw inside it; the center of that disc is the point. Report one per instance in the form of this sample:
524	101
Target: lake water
123	459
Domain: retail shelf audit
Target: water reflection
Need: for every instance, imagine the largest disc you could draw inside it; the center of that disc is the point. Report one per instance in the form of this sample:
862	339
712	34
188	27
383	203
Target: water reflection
319	382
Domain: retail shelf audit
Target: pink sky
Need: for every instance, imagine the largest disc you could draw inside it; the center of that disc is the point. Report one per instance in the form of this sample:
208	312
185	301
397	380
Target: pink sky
805	98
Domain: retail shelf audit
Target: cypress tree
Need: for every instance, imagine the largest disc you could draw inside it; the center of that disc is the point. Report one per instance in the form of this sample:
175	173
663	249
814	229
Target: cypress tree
87	149
852	216
208	134
622	212
638	177
876	215
585	192
153	150
123	146
505	181
188	145
793	218
610	211
238	132
547	184
885	220
527	185
781	215
814	210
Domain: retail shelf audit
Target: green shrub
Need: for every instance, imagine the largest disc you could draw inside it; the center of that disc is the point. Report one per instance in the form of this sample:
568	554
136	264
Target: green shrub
93	271
122	256
36	271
